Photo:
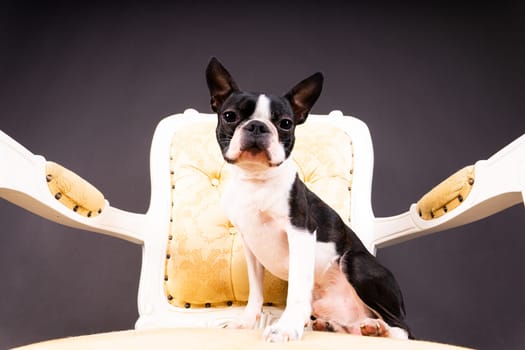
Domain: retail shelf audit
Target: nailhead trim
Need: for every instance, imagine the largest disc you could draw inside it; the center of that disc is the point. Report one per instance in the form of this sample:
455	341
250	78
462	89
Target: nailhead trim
170	235
445	209
69	202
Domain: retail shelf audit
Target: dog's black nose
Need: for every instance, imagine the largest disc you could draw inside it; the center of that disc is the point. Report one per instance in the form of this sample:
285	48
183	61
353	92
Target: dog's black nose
256	127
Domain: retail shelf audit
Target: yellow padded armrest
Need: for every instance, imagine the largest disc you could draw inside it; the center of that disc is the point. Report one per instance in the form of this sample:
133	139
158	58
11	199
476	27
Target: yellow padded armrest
73	191
448	195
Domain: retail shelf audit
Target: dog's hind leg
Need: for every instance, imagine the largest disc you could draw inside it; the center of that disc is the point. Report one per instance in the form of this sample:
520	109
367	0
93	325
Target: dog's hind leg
375	327
336	306
371	327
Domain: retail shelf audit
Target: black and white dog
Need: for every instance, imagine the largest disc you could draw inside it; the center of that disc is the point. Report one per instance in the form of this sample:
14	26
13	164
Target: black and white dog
332	279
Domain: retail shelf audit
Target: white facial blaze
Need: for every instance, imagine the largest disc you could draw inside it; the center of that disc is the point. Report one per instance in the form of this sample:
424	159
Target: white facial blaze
263	113
262	109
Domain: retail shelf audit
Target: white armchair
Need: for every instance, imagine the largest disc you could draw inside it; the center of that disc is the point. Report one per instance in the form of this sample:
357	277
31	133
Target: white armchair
193	272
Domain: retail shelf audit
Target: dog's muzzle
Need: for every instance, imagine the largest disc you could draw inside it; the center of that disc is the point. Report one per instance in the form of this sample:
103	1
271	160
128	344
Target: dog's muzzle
256	137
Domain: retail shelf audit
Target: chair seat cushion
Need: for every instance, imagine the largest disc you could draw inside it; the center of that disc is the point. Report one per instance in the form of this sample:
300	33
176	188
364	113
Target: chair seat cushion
225	339
205	264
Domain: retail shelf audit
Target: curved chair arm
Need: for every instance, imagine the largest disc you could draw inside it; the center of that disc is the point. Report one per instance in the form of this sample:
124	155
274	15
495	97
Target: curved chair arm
471	194
57	194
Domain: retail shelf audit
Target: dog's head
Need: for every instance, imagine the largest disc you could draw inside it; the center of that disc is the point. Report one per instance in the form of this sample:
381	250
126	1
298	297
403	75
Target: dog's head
256	131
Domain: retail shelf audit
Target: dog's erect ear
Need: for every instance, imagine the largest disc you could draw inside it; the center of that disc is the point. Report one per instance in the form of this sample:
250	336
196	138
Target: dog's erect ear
220	83
303	96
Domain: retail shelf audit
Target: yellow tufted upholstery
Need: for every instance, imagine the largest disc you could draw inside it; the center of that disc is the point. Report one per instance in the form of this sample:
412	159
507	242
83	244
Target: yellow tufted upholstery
205	265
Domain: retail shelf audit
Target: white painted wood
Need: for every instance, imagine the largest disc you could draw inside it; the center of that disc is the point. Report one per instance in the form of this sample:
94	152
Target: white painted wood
499	184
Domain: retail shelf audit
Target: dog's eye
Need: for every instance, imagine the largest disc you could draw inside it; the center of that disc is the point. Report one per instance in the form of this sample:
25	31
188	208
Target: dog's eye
229	116
285	124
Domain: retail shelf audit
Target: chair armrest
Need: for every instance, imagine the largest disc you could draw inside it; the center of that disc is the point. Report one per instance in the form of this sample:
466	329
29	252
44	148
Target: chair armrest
57	194
470	194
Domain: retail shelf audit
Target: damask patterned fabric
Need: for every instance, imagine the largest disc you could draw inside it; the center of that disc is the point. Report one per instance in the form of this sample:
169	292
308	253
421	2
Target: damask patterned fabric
205	264
73	191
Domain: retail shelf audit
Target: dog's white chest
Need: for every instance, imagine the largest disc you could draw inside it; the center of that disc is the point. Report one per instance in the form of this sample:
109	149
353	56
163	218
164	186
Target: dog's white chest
266	237
259	209
262	222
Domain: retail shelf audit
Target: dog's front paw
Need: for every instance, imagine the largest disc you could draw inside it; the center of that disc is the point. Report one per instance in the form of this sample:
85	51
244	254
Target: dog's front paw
280	333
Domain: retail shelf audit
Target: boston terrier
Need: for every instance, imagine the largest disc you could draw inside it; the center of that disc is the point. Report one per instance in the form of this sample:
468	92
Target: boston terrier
333	280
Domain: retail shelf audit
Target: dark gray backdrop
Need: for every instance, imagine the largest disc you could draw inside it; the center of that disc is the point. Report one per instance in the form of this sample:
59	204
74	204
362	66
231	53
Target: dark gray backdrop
439	86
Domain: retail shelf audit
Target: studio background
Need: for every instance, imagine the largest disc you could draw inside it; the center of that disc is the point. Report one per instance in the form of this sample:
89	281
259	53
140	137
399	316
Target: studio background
439	87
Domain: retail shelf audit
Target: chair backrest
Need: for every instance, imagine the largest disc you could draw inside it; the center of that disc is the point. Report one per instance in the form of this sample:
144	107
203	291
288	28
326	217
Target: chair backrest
202	269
